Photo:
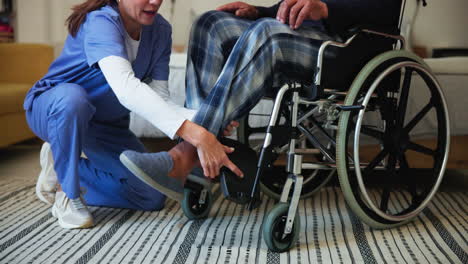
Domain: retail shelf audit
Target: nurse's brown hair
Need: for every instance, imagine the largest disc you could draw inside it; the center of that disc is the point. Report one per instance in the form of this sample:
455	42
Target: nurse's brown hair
80	11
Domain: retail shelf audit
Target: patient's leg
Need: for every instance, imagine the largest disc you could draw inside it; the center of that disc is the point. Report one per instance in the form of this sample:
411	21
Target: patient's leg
267	54
211	40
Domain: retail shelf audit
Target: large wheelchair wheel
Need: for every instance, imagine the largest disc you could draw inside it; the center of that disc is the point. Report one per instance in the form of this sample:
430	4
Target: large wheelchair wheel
382	157
275	176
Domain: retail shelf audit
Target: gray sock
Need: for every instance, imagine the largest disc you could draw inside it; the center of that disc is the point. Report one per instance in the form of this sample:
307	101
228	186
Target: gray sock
153	169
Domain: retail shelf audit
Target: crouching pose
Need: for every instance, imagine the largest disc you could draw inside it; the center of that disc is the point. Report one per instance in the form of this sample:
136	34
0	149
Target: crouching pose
240	52
115	59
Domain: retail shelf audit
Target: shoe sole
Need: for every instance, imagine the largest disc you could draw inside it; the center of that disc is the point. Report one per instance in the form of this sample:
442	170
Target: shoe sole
42	176
148	180
63	224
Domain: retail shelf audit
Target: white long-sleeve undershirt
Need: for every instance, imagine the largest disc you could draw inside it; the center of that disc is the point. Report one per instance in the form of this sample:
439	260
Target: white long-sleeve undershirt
162	88
153	105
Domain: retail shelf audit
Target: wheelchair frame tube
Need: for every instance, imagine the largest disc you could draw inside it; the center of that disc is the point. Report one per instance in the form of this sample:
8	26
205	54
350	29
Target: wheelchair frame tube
274	114
318	75
267	142
295	170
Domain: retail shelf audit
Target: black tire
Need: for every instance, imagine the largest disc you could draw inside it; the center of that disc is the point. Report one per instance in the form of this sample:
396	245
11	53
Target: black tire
192	208
273	228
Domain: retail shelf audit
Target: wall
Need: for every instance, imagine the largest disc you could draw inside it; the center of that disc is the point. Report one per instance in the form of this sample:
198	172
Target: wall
43	21
441	24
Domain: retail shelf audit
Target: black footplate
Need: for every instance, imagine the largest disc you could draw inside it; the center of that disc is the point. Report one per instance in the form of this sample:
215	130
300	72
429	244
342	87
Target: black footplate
235	188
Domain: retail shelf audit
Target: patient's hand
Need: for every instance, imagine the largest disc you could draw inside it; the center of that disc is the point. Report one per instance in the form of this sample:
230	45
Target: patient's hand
294	12
240	9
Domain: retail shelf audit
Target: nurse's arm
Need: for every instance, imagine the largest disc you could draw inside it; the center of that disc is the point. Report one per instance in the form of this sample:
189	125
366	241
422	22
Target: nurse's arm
138	97
141	99
162	89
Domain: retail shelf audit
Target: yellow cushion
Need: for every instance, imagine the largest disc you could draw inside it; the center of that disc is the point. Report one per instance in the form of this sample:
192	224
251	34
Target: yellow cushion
24	63
14	129
12	96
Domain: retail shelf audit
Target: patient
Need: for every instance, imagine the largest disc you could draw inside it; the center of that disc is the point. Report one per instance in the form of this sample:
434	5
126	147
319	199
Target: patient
239	52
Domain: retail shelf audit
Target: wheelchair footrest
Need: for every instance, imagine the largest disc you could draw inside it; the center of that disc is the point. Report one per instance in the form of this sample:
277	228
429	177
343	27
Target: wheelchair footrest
235	188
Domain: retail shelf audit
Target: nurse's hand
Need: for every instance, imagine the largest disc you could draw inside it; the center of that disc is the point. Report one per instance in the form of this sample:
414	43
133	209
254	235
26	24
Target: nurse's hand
211	152
212	155
240	9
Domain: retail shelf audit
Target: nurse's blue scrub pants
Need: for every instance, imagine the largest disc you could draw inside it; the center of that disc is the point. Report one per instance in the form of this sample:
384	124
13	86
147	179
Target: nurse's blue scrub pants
63	116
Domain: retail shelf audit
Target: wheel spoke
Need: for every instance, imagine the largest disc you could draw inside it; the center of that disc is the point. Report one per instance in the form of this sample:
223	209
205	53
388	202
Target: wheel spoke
372	132
410	182
404	99
385	199
418	117
421	149
375	161
404	162
386	191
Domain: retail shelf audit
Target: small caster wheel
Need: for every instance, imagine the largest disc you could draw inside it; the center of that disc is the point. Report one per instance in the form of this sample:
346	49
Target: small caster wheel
192	206
273	229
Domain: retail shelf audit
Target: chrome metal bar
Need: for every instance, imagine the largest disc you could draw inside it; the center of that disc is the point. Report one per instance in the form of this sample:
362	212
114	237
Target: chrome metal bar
315	166
275	113
292	142
286	190
298	180
277	105
397	37
295	109
317	144
327	165
297	166
318	74
313	111
307	151
322	130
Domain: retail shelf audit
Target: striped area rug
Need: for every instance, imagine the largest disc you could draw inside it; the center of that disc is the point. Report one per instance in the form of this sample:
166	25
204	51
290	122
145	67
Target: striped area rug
330	233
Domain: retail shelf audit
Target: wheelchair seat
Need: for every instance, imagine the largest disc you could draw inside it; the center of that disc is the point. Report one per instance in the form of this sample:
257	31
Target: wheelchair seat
340	66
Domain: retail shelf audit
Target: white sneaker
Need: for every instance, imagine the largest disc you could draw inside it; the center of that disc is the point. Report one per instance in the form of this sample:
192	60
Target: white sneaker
71	213
46	185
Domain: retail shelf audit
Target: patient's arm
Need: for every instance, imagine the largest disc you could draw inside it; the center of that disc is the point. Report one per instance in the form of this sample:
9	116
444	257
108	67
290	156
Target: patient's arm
341	14
240	9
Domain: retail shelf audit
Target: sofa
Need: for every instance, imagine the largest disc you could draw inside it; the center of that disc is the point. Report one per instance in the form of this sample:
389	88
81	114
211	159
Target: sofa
21	65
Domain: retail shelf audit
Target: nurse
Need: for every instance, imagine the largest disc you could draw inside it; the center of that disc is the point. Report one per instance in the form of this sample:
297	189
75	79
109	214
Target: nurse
115	59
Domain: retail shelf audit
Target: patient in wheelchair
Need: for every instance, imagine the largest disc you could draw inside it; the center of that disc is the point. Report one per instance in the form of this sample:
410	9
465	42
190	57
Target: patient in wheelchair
241	52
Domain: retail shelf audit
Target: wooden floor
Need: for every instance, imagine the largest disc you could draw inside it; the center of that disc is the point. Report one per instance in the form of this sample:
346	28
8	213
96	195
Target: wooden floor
458	155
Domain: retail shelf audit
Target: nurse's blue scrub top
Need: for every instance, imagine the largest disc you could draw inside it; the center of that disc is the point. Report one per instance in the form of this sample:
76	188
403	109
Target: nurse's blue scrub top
102	35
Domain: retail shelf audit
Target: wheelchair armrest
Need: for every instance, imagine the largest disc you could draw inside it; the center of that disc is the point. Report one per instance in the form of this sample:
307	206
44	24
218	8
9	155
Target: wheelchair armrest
373	28
353	33
321	55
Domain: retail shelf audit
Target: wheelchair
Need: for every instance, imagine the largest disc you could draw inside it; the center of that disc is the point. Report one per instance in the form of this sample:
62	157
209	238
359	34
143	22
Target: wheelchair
353	120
